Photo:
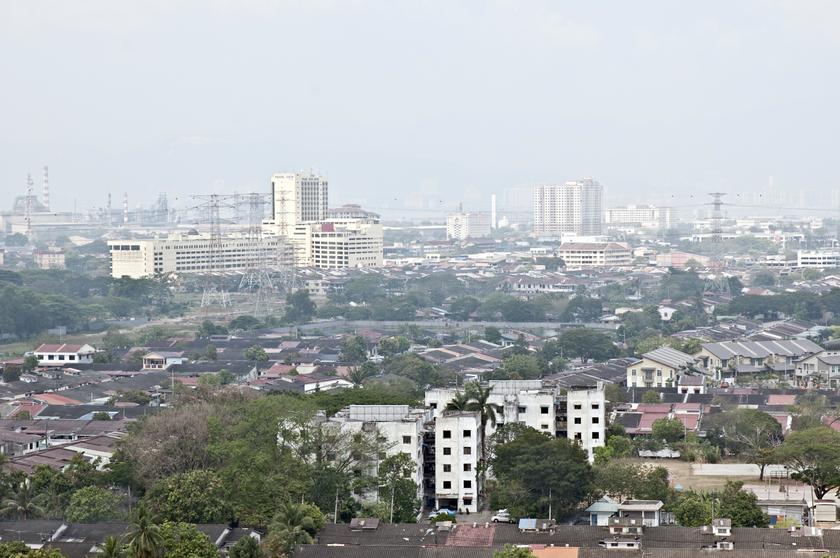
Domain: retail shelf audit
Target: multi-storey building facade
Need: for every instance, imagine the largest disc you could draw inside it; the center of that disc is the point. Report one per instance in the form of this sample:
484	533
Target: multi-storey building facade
586	418
595	254
192	253
400	427
574	207
639	216
338	244
461	226
52	258
818	258
297	198
456	460
543	408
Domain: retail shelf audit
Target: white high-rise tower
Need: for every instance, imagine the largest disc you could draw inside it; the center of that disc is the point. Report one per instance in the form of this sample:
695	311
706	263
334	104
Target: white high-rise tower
574	207
298	198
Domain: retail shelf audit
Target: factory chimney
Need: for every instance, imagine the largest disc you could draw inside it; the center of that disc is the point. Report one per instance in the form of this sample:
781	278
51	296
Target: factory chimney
125	208
493	211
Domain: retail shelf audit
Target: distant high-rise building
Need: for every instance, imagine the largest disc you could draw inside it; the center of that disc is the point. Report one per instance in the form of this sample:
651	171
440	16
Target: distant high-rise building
298	198
461	226
575	207
639	216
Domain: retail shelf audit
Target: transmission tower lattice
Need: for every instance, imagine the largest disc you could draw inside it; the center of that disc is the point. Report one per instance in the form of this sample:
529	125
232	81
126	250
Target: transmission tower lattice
28	206
214	291
260	259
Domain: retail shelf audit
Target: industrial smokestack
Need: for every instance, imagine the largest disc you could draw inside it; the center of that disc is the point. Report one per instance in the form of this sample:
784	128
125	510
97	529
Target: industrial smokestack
493	211
45	197
108	213
125	208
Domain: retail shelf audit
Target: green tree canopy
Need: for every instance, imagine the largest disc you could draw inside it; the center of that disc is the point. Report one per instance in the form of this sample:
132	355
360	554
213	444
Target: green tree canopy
184	540
748	433
299	307
587	344
398	489
354	349
197	496
92	504
814	455
668	430
546	470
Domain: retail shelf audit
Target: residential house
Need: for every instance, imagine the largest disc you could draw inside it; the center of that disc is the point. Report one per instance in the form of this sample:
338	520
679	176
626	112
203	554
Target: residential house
728	358
63	354
162	360
819	369
659	368
646	513
602	510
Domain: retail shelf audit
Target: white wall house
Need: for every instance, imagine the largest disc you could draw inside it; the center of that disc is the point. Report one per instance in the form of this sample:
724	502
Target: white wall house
64	354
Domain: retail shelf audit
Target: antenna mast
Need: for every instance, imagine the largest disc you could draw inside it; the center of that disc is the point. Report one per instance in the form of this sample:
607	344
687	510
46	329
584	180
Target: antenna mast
45	197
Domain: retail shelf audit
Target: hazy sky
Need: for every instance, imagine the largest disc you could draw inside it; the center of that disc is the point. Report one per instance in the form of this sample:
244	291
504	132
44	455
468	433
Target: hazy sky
400	100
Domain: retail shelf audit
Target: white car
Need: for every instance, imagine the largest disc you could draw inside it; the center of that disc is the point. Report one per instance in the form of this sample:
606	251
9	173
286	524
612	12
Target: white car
502	516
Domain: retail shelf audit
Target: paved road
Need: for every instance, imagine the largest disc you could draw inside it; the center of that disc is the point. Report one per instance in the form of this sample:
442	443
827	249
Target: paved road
446	325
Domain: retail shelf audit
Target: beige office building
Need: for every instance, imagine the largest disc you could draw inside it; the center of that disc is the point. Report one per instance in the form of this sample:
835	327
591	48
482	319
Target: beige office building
192	253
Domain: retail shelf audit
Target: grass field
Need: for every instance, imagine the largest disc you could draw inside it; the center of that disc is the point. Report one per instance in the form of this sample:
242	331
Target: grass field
681	474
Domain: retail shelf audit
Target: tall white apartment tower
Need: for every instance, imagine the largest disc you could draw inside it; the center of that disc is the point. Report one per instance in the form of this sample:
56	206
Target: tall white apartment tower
298	198
575	207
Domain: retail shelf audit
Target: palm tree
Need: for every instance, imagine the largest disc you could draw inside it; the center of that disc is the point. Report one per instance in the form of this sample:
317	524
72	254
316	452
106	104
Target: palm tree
487	412
291	527
22	502
358	375
460	402
111	547
144	537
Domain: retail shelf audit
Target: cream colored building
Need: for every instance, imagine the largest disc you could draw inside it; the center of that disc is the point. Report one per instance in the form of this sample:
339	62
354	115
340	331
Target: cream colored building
639	216
595	254
659	368
50	259
338	244
191	253
297	198
461	226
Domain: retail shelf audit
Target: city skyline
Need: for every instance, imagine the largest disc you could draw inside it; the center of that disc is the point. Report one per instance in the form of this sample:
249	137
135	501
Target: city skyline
671	101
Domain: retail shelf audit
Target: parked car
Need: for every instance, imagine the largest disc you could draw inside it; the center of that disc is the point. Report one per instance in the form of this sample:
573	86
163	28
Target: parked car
502	516
442	511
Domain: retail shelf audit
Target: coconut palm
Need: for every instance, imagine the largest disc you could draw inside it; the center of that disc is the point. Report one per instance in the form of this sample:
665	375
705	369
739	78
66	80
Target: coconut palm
111	547
22	503
479	401
460	402
292	526
144	537
359	374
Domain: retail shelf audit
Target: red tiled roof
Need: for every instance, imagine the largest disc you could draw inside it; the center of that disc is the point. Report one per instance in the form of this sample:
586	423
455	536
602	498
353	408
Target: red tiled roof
55	399
56	348
654	408
647	419
689	421
781	399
